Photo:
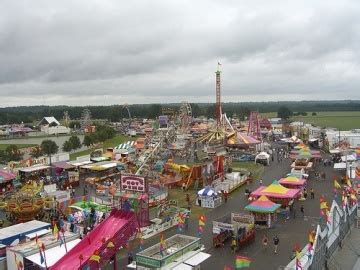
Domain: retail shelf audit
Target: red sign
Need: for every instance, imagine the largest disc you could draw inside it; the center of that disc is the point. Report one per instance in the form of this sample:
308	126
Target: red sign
133	183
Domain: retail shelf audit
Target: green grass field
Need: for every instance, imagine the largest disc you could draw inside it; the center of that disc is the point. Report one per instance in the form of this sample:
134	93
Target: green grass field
339	120
118	139
20	146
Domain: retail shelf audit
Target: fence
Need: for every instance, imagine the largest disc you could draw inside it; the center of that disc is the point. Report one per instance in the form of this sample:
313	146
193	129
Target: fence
328	238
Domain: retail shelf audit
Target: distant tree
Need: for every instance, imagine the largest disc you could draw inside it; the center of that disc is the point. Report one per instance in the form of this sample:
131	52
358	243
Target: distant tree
116	114
67	146
3	157
36	152
314	113
303	113
74	124
13	153
49	148
195	109
154	110
102	135
74	142
284	112
210	111
94	138
87	141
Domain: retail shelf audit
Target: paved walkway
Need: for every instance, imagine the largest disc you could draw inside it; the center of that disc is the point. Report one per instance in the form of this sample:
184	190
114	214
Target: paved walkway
347	257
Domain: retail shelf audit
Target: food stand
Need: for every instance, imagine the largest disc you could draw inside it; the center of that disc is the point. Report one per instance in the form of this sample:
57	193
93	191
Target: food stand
240	226
292	181
208	198
277	193
264	211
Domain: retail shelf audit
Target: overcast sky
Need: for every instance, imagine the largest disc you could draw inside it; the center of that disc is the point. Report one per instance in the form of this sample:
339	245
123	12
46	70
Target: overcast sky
82	52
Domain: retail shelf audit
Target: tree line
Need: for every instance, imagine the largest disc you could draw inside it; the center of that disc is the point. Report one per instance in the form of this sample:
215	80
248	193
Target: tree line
114	113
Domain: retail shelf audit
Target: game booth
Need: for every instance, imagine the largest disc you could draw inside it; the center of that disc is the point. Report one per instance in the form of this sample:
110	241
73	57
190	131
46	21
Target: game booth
264	211
208	198
66	173
239	226
277	193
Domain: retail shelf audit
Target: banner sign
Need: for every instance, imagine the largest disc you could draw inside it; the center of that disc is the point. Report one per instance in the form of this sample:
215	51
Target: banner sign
133	183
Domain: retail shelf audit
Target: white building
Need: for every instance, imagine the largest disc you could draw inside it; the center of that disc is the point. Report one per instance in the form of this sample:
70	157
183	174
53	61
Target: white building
51	126
351	136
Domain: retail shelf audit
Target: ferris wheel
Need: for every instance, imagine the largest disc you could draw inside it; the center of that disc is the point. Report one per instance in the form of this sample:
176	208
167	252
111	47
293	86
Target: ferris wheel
185	116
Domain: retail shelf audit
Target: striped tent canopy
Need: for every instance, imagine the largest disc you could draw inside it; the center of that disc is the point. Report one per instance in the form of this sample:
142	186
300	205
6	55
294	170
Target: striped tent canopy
125	145
305	153
206	191
275	190
292	180
262	205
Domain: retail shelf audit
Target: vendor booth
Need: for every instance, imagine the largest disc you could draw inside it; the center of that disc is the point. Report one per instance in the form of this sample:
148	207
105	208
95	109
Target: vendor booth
263	158
264	211
231	182
34	173
277	193
66	173
208	198
292	181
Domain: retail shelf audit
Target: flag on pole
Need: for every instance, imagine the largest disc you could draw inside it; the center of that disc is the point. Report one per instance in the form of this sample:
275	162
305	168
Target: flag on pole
162	244
202	220
241	262
56	232
336	184
348	182
312	237
95	258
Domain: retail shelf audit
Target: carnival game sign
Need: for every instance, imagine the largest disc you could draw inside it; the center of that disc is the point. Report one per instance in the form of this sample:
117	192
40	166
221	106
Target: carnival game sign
133	183
16	165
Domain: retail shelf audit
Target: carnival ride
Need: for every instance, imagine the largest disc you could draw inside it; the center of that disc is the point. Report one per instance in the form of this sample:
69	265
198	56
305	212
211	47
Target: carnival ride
180	174
254	125
185	117
104	241
25	204
222	129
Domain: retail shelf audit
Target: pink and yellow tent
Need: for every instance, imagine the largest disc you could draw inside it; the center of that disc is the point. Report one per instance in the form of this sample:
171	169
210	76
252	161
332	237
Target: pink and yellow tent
262	205
292	180
275	190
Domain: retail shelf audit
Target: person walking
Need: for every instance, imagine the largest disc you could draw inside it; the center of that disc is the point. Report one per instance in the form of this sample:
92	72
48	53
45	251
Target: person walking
302	210
225	196
305	193
265	241
260	182
312	193
276	243
233	245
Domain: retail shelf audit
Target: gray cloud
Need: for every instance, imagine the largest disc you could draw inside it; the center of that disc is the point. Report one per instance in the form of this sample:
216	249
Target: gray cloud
106	52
